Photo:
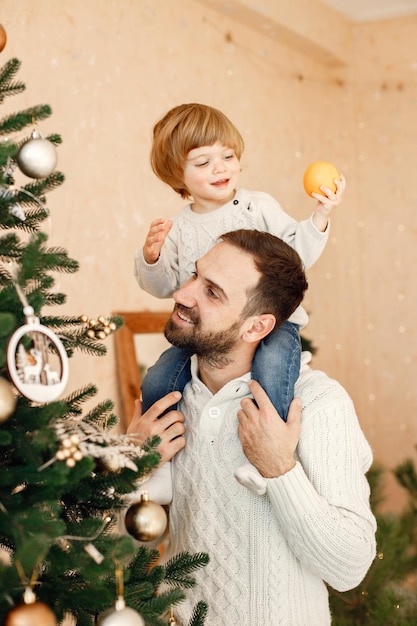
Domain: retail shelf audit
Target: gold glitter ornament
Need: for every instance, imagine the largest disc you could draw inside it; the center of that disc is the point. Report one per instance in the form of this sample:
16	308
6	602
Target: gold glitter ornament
146	520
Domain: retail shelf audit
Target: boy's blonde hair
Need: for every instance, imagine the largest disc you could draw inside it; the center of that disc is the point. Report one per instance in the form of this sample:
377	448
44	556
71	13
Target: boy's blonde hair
182	129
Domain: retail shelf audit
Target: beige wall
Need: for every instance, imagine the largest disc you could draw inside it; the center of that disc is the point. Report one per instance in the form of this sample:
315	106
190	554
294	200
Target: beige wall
302	84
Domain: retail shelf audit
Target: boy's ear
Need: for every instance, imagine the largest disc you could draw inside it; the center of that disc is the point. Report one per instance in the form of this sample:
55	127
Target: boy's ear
258	327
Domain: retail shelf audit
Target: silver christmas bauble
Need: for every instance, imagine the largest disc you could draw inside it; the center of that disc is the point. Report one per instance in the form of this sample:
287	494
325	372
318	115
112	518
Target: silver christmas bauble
122	617
37	157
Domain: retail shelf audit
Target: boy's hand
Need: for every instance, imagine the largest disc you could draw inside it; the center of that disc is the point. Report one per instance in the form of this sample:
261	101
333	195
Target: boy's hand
155	238
327	202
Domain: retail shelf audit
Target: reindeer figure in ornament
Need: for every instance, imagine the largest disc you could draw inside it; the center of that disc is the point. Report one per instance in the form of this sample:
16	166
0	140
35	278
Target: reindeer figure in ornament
32	372
52	376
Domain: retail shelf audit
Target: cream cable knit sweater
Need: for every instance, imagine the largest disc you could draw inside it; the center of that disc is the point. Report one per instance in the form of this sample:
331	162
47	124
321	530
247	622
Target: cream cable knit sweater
269	555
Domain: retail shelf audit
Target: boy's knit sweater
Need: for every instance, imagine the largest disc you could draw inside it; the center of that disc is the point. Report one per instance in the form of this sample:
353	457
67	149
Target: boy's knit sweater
269	555
193	234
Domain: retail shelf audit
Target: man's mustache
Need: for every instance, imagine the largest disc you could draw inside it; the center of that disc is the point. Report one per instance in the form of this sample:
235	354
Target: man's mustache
190	313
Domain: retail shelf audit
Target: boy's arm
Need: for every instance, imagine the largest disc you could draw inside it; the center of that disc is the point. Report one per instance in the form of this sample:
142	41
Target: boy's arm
159	275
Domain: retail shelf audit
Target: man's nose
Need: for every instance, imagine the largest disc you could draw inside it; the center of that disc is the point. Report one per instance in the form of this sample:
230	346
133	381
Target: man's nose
185	295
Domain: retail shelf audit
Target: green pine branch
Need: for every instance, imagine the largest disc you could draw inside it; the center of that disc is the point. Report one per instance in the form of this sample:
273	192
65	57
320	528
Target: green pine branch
16	122
177	570
8	87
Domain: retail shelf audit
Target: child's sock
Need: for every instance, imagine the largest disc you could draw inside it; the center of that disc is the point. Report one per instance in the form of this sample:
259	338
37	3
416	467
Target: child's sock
248	476
159	485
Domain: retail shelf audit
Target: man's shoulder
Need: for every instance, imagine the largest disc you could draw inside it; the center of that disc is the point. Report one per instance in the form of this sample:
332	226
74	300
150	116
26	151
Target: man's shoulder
316	387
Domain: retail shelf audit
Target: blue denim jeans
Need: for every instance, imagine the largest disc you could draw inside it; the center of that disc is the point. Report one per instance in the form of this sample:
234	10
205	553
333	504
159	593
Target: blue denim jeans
276	367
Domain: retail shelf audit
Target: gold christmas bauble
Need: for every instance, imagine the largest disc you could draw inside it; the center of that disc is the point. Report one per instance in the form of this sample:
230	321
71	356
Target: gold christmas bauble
34	614
7	400
122	617
146	520
37	157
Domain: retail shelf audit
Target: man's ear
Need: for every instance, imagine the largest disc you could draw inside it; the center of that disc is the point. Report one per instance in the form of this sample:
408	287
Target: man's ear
258	327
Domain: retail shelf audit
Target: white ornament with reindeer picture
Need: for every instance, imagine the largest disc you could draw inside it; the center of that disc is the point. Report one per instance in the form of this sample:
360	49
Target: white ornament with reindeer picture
37	361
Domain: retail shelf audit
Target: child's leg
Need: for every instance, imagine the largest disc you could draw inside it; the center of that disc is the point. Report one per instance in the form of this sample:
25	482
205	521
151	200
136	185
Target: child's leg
170	373
276	367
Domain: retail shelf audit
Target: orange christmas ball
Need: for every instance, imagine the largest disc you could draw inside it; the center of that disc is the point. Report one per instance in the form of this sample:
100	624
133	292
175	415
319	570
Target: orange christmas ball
320	173
3	38
34	614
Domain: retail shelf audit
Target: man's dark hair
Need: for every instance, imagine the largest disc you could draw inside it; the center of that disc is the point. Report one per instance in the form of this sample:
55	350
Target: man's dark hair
282	283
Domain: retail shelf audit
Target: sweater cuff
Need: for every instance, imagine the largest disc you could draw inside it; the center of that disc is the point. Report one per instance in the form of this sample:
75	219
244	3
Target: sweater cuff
149	267
315	232
292	495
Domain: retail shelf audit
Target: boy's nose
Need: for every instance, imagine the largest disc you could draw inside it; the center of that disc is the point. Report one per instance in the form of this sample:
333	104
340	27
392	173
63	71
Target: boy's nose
219	166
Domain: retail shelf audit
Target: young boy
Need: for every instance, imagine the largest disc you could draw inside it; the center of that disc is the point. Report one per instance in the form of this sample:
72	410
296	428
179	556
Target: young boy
196	150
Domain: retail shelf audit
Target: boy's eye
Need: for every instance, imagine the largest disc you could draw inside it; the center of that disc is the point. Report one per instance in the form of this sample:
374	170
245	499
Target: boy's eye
201	164
229	156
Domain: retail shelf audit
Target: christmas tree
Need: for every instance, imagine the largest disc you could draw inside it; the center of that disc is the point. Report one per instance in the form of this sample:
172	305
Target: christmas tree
65	479
387	595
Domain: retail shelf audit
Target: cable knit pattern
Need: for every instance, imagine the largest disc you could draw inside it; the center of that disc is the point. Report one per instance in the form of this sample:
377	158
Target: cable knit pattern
269	555
193	234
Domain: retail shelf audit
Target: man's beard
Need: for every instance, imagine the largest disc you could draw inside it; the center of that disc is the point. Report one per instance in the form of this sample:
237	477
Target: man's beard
214	347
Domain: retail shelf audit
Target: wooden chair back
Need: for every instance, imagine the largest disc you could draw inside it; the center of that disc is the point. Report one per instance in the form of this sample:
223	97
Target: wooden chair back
127	357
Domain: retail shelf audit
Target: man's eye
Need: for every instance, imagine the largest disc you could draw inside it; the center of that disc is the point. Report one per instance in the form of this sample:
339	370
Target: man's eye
211	293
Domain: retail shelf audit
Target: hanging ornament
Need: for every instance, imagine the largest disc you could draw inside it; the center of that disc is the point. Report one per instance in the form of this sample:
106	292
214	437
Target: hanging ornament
98	328
37	361
7	400
17	211
37	158
120	615
10	193
30	613
123	616
3	38
146	520
171	620
70	451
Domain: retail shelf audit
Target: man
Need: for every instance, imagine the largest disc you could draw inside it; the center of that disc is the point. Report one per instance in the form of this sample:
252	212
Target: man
270	555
